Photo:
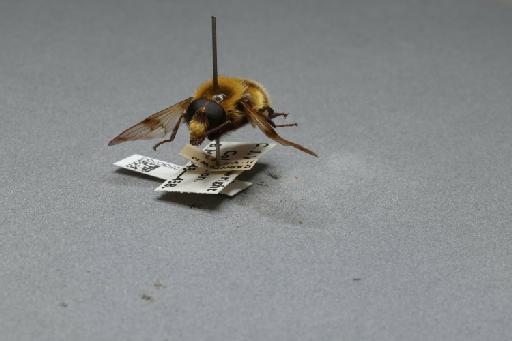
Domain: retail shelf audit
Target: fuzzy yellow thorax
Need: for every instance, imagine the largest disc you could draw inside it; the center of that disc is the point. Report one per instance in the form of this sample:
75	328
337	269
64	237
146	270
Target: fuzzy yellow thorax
233	88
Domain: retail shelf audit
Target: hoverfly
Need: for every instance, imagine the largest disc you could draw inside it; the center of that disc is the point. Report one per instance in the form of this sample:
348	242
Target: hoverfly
220	105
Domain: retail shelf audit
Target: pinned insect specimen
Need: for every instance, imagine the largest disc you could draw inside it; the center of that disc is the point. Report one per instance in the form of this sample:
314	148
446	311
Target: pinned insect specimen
220	105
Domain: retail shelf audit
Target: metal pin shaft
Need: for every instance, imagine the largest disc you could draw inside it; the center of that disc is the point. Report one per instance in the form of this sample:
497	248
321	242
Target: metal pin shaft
217	152
214	54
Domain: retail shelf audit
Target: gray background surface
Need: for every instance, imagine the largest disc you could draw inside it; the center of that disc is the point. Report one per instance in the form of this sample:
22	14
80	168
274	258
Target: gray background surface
401	230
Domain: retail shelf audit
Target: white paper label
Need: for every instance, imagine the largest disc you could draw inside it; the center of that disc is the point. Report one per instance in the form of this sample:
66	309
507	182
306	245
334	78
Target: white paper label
230	151
235	187
149	166
166	170
203	160
194	177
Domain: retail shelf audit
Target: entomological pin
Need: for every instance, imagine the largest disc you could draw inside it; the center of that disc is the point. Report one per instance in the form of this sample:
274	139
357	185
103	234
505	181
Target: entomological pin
220	105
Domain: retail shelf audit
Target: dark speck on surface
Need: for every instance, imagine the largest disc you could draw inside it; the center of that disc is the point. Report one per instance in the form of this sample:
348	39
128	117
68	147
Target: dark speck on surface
272	174
146	297
356	279
158	284
63	304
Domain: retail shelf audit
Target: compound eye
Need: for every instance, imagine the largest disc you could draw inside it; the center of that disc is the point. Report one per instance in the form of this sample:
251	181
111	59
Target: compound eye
218	98
194	107
215	114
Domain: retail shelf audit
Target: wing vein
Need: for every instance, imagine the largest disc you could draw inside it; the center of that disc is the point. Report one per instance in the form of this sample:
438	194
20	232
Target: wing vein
155	125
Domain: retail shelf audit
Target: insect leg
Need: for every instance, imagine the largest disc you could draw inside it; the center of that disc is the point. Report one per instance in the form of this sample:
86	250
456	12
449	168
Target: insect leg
218	128
269	120
173	134
272	114
276	114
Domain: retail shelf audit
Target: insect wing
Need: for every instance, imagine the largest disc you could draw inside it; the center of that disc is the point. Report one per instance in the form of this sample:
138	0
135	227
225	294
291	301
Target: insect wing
260	121
156	125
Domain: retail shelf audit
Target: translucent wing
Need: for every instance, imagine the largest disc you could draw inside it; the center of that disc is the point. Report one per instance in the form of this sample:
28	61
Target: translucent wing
156	125
260	121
